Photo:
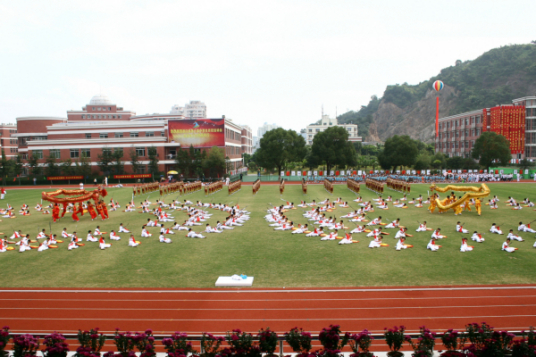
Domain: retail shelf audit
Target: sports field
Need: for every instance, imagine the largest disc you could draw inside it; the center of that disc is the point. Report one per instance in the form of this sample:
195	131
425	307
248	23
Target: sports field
275	259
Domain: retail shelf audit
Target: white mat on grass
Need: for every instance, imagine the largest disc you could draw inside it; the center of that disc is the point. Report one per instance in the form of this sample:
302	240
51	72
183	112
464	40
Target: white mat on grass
228	281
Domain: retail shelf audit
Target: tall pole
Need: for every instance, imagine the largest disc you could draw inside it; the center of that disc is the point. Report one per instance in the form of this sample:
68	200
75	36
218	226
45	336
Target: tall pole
437	117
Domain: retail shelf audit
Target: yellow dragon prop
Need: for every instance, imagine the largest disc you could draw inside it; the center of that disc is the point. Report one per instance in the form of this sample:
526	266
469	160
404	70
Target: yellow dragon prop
471	192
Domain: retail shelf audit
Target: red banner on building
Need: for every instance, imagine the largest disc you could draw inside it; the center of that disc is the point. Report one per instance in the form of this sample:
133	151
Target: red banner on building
56	178
509	121
199	133
132	176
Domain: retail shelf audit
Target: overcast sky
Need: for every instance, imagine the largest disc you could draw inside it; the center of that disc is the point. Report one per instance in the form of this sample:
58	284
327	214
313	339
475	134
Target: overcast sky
270	61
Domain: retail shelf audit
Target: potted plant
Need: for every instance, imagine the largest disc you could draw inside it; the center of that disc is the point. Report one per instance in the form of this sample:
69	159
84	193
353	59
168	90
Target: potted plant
124	342
210	344
4	340
453	341
425	343
360	344
25	346
91	343
394	337
178	345
299	341
144	342
332	342
55	346
267	341
241	344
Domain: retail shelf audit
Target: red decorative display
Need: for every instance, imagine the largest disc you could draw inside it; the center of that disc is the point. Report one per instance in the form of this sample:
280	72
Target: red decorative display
199	133
509	121
132	176
56	178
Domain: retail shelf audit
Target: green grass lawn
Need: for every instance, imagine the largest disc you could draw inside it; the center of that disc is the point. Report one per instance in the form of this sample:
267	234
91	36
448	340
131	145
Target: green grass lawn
275	259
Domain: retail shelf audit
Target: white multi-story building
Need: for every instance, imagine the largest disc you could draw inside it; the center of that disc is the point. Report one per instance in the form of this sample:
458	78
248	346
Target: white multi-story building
264	128
193	110
327	122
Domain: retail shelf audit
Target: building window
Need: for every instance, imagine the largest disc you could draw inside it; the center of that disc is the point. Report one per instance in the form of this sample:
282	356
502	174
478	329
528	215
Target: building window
118	135
141	169
88	136
75	153
86	153
118	151
38	154
55	153
149	133
162	133
99	109
103	135
83	116
134	135
119	116
140	152
310	130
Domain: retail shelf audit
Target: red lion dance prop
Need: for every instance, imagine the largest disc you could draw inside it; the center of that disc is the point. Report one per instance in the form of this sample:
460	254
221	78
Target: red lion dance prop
77	196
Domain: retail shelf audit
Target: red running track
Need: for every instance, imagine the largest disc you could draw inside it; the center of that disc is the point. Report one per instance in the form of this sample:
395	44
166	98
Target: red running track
220	310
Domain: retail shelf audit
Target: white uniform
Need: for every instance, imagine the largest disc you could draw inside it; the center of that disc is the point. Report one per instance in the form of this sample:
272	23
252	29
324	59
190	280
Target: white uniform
422	228
376	243
114	236
192	234
123	230
209	229
23	245
132	242
465	247
145	234
525	228
432	246
514	237
90	238
477	238
494	229
346	240
460	229
103	245
400	245
43	246
163	239
331	236
507	248
393	224
400	234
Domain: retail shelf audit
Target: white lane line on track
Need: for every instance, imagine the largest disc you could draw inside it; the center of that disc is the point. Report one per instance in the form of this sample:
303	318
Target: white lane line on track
41	308
264	319
308	291
280	300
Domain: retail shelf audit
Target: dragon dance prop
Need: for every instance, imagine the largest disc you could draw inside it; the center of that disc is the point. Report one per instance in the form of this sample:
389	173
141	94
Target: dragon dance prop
73	196
470	192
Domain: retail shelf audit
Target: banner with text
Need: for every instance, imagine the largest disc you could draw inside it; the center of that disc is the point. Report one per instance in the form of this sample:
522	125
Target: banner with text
199	133
132	176
56	178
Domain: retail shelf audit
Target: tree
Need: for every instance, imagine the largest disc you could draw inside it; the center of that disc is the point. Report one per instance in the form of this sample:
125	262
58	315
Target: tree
279	146
34	165
6	166
333	148
491	147
67	168
17	165
398	150
182	162
119	168
134	161
215	162
423	161
105	161
246	158
51	168
83	166
153	162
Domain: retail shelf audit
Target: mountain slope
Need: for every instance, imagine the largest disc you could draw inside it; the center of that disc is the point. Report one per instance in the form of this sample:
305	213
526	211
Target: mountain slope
496	77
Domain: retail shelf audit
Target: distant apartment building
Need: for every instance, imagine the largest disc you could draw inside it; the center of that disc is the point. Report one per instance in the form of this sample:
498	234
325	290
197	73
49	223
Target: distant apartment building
327	122
517	122
265	128
193	110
